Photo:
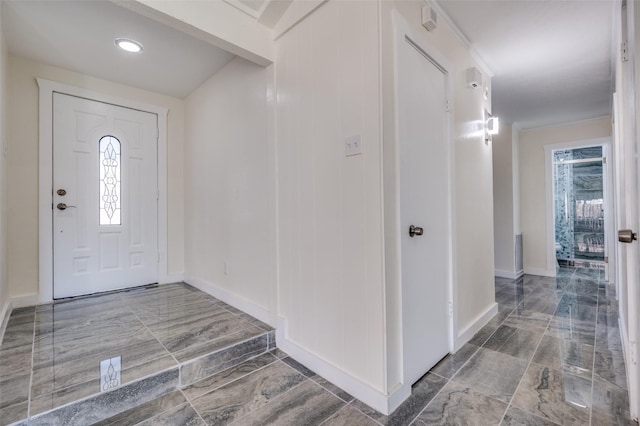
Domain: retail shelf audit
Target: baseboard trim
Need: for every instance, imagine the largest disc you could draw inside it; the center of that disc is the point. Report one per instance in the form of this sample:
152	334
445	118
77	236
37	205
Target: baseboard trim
22	301
540	272
624	338
508	274
4	317
173	278
628	349
239	302
481	320
358	389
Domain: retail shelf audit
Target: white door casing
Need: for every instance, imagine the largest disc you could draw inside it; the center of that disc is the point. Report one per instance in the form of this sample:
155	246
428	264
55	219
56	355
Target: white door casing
103	241
421	87
45	179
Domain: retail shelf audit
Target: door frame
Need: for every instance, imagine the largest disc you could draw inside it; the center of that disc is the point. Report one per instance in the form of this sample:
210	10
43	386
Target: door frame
45	179
403	34
607	176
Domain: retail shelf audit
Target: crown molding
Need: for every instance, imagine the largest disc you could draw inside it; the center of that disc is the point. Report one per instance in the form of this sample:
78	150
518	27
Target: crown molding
463	39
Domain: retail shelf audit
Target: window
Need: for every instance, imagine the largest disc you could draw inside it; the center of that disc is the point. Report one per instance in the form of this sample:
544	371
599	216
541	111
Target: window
109	169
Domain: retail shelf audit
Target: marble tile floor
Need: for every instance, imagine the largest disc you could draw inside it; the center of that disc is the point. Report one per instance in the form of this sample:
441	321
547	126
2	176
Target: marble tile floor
160	337
551	356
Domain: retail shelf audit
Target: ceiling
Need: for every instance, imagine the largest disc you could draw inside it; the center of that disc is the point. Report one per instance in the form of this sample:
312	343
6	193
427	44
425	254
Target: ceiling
79	36
552	59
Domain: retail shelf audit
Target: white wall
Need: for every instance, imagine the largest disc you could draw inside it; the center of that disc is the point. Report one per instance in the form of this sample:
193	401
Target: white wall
532	184
473	267
503	193
230	188
331	283
22	165
337	310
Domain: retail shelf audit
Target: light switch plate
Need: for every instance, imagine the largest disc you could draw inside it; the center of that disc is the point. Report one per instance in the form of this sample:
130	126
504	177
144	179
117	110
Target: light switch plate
352	145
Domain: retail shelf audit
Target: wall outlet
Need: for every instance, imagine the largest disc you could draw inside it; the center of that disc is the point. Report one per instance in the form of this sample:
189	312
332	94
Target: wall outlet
352	145
225	267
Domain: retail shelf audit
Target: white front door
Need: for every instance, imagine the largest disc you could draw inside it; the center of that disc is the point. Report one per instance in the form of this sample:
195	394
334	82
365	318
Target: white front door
424	187
105	197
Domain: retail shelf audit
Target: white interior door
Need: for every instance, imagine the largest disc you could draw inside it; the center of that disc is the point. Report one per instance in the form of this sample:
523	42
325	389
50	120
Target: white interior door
424	203
105	197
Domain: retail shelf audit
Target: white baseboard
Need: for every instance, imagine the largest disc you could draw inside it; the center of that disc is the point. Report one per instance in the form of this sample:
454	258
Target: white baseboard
540	272
22	301
480	321
170	279
239	302
632	382
624	338
5	313
360	390
508	274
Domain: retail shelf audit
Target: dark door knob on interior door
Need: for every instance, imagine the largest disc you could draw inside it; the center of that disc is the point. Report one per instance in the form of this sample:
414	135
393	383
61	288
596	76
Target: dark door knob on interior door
415	230
627	236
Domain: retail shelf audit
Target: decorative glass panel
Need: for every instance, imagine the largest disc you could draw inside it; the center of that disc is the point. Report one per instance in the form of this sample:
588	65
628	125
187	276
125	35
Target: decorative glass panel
109	181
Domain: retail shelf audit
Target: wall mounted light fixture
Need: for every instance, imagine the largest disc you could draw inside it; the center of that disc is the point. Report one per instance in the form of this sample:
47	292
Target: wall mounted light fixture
491	126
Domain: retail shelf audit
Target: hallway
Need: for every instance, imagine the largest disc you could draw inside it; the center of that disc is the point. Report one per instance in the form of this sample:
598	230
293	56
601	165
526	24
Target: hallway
552	356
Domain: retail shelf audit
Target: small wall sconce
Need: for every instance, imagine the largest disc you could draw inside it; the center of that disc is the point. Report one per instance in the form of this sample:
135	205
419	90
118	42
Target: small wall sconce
491	126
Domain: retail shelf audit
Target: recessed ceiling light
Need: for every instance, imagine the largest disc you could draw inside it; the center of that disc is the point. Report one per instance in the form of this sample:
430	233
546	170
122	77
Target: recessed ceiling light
129	45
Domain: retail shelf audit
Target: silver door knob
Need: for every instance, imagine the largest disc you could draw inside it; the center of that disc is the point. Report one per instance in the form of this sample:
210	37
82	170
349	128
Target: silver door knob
415	230
627	236
63	206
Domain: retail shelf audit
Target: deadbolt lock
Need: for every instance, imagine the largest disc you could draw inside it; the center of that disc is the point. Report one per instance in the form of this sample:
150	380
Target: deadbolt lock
61	192
627	236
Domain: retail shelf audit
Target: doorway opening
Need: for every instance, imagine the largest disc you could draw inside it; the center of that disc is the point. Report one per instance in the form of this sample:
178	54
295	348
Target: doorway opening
579	204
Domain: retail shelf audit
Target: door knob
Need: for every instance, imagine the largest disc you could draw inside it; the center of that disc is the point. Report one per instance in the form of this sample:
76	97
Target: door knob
63	206
415	230
627	236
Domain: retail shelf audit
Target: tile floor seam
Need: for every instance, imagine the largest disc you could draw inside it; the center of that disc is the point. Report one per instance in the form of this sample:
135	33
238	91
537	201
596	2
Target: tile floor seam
232	381
333	415
434	396
194	408
362	412
274	399
33	345
163	346
196	411
328	390
200	357
462	366
159	342
453	375
524	374
166	411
